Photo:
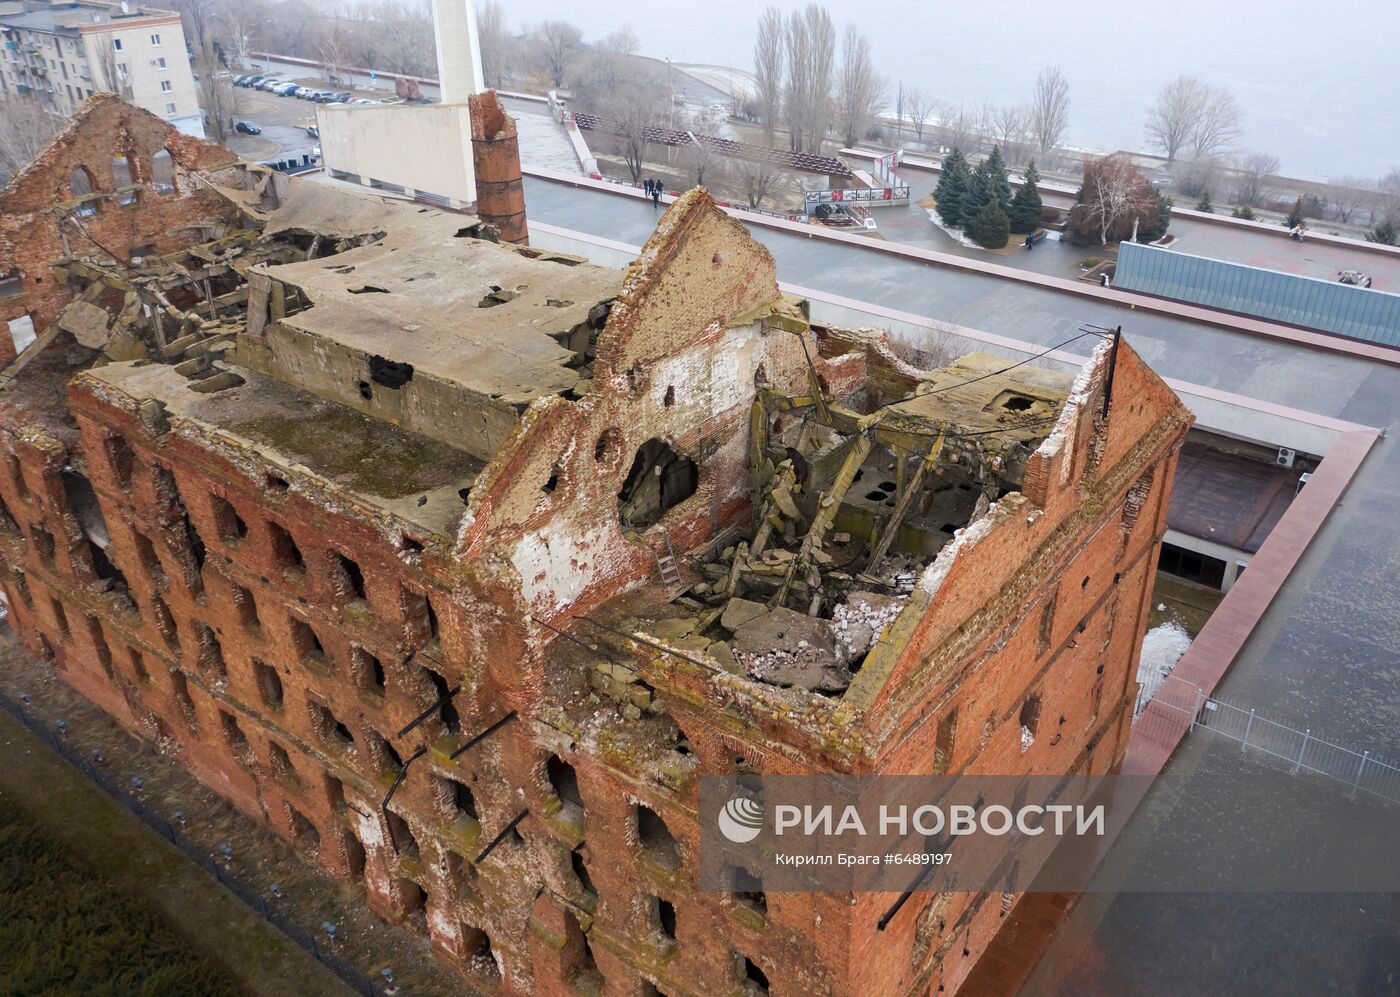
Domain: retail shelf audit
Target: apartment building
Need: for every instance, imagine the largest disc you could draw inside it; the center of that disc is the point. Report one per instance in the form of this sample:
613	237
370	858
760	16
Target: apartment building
61	54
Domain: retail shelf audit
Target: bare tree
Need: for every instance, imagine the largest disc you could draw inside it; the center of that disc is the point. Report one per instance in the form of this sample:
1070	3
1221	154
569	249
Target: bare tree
1049	109
28	127
1348	195
768	68
1386	206
1010	127
623	41
1199	176
1115	200
860	90
811	52
216	93
406	40
960	129
1218	125
633	107
560	42
703	163
334	51
1254	178
756	179
110	75
240	23
922	105
491	36
1173	118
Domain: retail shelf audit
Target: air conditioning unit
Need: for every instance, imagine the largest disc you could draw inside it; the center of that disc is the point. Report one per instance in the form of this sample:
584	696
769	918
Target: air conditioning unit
1285	457
1303	479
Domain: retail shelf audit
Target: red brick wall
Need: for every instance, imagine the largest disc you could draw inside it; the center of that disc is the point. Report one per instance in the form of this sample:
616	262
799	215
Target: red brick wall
33	206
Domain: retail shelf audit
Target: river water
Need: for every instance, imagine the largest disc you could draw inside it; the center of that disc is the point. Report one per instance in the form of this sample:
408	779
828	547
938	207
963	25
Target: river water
1317	81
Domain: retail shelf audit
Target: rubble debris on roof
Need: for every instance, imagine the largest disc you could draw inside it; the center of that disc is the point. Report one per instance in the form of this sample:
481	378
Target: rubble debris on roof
852	501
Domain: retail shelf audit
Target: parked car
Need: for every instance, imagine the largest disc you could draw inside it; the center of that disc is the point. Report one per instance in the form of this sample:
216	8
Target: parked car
343	97
292	90
282	89
307	93
239	80
249	81
246	128
269	83
363	100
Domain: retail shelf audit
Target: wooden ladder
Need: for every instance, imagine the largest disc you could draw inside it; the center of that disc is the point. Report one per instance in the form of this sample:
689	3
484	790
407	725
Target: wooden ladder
669	570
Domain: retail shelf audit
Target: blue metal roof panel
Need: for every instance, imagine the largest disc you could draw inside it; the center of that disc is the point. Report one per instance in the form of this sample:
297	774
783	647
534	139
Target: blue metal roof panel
1359	312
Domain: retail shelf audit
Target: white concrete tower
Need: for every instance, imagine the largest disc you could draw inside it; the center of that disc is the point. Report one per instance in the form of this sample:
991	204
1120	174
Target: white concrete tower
458	50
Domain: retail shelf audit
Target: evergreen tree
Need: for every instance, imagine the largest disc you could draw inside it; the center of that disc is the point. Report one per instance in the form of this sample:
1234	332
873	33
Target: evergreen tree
996	176
1026	206
990	228
977	193
1155	227
1295	217
952	184
1243	211
1204	203
1384	233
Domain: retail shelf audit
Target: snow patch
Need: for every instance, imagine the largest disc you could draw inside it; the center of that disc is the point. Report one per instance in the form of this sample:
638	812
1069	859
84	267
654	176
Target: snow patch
1162	648
956	234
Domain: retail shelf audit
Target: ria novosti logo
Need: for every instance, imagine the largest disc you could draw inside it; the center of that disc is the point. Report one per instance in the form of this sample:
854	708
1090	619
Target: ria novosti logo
741	820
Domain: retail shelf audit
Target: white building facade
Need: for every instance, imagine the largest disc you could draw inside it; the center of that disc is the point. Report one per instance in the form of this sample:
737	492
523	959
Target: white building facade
61	55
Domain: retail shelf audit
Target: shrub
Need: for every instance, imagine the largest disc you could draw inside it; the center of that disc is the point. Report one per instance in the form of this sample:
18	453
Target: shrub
1385	234
991	228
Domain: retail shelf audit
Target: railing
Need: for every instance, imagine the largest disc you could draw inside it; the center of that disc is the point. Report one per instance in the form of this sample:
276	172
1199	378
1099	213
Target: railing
1178	703
803	161
348	974
850	195
793	216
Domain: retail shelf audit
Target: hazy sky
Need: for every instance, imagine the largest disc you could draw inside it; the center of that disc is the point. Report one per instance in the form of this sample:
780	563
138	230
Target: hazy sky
1317	81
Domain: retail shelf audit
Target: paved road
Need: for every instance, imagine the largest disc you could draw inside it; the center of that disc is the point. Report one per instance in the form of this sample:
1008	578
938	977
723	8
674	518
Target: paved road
1259	247
1321	382
1309	257
1324	657
281	136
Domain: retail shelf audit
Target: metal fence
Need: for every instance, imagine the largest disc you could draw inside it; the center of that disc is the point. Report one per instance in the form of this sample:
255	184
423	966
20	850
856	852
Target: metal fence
352	977
1178	706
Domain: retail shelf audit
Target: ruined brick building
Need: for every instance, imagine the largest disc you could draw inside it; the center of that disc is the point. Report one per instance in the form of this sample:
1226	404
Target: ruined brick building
458	562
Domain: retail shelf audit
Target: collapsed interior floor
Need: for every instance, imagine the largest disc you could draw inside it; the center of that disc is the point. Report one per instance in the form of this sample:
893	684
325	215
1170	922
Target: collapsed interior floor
852	500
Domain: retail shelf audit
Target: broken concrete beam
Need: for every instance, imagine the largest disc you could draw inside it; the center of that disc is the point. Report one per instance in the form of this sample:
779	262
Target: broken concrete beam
738	612
672	628
86	323
177	347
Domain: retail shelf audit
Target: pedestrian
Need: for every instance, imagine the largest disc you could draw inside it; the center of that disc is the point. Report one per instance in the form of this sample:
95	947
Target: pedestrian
656	193
646	186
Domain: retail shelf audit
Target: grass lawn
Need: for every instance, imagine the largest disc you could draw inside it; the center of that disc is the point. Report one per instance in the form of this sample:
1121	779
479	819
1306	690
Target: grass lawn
65	930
